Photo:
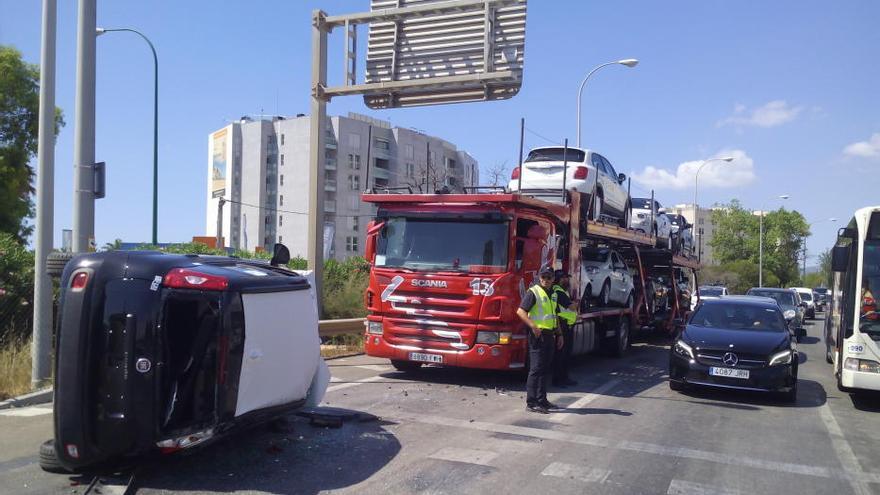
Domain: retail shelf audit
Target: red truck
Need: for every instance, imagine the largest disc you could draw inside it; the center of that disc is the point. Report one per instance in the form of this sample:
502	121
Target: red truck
448	272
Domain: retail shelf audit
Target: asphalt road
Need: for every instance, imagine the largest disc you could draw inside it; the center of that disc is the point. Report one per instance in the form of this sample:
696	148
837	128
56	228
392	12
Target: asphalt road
458	431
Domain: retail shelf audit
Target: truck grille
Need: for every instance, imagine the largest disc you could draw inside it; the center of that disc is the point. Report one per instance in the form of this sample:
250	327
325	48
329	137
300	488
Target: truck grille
428	334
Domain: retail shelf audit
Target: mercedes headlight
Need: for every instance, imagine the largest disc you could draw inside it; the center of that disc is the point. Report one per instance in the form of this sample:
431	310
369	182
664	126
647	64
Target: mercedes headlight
683	350
783	357
789	314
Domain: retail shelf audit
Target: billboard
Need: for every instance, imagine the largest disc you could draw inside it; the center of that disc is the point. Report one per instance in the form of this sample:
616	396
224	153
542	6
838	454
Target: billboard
218	163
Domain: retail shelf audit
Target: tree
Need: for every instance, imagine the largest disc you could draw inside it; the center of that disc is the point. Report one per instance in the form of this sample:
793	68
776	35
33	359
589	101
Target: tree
19	119
825	268
737	239
497	174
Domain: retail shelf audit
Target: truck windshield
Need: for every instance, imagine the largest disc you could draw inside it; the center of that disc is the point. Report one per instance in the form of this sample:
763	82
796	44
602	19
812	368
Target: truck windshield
437	244
869	313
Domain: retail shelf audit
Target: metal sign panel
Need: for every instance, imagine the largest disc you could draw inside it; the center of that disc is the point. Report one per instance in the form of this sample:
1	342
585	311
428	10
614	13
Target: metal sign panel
462	51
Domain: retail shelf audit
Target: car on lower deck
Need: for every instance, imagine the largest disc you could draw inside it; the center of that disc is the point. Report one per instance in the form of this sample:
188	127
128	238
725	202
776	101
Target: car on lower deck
606	278
736	343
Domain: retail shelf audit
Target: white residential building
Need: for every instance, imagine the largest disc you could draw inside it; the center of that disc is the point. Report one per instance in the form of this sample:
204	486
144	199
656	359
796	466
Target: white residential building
704	230
260	165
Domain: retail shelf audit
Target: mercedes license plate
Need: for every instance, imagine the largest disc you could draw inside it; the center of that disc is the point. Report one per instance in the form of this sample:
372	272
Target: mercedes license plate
425	358
729	373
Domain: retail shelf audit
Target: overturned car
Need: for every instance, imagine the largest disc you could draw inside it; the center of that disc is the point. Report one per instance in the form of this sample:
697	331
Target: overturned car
159	352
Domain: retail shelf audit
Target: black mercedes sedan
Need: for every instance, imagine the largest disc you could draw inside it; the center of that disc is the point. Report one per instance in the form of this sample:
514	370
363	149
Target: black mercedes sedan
736	342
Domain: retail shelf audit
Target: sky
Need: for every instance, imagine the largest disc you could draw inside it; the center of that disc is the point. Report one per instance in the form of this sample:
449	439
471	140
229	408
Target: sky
788	88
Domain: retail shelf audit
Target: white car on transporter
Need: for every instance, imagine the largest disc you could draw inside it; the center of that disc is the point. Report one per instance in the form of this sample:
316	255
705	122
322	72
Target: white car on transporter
606	279
651	220
541	176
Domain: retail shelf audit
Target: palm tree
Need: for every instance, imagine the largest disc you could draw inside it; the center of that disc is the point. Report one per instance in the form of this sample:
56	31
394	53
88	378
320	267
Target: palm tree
112	246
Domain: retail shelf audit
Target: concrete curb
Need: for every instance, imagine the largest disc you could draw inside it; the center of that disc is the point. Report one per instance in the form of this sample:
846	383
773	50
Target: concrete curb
41	396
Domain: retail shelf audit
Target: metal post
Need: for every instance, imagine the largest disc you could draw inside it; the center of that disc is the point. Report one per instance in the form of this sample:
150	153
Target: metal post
219	242
761	251
564	168
84	130
41	350
653	212
804	275
317	130
428	168
519	159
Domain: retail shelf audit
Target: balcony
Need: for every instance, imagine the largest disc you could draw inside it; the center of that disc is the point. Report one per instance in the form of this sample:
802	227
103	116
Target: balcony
330	163
330	206
329	185
380	173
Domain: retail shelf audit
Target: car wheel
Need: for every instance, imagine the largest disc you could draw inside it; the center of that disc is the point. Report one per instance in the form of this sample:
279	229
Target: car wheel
791	395
624	221
49	459
598	205
605	294
584	306
405	365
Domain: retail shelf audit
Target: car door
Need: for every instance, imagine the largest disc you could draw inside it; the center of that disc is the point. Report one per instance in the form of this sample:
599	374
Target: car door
617	191
617	277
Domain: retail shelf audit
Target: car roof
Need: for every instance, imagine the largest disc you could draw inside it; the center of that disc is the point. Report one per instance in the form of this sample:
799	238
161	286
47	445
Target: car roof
771	289
752	300
802	289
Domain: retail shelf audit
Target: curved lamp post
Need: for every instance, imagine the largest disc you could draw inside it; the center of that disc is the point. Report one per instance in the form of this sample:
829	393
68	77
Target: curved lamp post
99	32
629	62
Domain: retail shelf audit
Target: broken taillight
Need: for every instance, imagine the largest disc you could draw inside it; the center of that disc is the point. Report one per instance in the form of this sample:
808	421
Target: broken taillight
185	278
79	281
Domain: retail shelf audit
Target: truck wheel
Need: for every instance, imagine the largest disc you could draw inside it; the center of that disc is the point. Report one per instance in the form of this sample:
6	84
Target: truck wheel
619	343
49	459
405	365
56	262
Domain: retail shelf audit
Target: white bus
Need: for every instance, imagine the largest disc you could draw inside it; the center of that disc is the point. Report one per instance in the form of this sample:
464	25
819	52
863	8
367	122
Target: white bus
852	327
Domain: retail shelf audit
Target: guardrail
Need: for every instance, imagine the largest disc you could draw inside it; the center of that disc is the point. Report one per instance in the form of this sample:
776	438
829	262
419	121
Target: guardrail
328	328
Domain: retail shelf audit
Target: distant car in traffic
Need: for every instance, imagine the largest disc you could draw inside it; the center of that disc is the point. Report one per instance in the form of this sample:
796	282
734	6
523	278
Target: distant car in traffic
788	301
542	173
736	342
651	219
823	297
682	234
709	292
606	277
807	297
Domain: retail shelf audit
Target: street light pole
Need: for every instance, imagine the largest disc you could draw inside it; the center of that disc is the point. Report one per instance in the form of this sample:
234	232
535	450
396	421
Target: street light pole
629	62
761	245
727	159
99	32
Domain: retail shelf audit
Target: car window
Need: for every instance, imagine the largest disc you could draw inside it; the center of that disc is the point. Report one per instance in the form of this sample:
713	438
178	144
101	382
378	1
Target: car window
597	162
737	316
806	296
555	155
642	203
781	297
608	167
596	255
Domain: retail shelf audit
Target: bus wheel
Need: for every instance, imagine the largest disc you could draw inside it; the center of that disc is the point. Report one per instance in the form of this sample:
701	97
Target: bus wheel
405	365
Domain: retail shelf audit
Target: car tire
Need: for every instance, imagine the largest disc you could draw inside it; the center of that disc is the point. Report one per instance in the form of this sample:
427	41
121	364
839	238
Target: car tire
48	459
620	342
605	294
405	365
584	306
598	206
791	395
624	220
56	261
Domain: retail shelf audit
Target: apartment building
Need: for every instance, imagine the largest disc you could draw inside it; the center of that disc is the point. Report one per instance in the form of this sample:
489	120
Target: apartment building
704	230
260	166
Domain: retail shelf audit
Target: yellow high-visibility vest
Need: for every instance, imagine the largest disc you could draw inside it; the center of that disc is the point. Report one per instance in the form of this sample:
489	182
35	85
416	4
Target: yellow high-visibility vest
566	314
543	313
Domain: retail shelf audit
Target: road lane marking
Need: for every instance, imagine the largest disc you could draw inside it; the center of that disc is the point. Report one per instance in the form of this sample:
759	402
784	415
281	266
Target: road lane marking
843	450
26	412
342	386
469	456
583	401
580	473
642	447
374	367
681	487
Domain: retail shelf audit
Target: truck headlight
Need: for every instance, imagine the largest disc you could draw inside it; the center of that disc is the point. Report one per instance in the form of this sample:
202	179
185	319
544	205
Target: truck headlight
683	350
374	327
783	357
864	365
789	314
493	337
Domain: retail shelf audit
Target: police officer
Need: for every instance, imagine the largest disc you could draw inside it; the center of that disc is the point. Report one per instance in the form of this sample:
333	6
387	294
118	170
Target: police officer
538	311
567	318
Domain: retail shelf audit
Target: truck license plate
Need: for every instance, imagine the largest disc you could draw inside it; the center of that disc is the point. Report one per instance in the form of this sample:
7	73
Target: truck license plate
729	373
425	358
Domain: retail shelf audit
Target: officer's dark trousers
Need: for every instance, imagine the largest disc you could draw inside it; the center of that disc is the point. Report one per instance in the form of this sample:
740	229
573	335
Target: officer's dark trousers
562	357
540	366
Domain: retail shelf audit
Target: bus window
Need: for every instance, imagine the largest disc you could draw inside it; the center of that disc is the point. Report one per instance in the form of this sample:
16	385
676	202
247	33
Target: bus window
869	317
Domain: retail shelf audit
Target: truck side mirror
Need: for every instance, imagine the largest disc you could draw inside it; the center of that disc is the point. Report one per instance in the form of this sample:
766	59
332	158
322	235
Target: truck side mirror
373	229
280	255
839	258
